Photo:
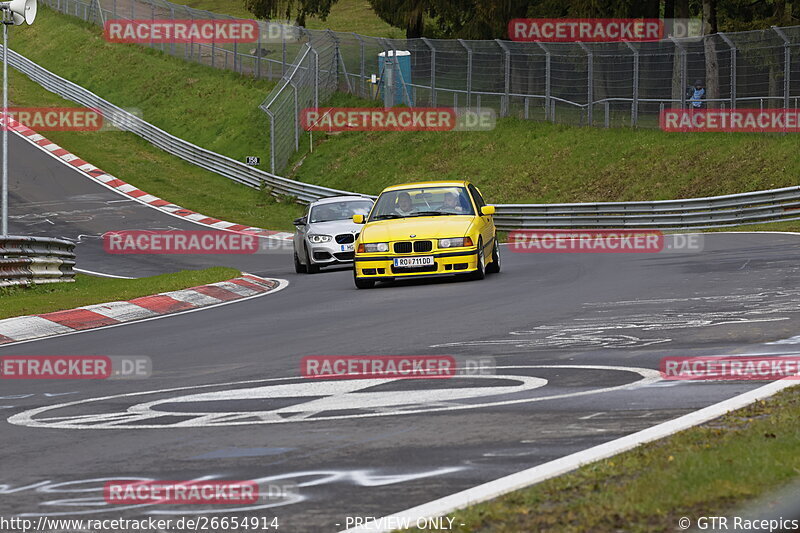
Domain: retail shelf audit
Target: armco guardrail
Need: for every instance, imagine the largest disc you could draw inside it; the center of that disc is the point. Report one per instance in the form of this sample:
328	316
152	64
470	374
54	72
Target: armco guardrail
719	211
35	260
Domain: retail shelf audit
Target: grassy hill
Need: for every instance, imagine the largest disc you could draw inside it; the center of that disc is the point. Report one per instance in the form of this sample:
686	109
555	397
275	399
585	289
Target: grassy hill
520	161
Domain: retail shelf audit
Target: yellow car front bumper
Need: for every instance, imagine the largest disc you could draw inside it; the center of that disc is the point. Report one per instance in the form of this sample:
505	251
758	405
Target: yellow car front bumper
381	265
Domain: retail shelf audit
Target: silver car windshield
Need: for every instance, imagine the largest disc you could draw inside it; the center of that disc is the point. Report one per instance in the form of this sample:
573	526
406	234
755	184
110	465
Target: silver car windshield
328	212
423	201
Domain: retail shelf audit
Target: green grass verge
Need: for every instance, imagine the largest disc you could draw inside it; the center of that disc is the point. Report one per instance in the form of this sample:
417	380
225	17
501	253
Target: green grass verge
346	15
88	290
520	161
209	107
131	158
704	471
524	161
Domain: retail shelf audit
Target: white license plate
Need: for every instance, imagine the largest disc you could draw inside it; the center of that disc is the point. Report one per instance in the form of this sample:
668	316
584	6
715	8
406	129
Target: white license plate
410	262
347	247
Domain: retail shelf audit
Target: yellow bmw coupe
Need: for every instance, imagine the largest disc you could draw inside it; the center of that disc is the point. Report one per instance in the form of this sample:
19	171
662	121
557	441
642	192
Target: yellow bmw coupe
425	229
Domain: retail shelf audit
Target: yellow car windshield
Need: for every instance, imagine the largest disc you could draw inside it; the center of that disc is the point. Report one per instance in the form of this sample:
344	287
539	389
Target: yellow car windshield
423	201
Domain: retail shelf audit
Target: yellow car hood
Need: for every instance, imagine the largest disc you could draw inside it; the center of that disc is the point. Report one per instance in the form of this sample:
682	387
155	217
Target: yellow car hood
402	229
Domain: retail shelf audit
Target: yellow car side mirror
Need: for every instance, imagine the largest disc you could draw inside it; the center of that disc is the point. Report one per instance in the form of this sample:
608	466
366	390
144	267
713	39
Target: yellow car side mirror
358	219
487	210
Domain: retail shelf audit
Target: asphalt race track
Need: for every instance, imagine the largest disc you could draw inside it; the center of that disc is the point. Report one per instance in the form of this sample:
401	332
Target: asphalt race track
577	339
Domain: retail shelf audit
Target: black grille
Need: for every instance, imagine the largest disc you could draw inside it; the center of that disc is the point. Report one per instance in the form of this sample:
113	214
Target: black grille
344	256
402	248
345	238
423	246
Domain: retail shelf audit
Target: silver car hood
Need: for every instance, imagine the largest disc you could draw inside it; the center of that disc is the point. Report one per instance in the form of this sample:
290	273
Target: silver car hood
334	227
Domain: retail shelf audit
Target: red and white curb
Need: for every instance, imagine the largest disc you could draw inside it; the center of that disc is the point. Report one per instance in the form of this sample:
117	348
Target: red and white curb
126	189
23	328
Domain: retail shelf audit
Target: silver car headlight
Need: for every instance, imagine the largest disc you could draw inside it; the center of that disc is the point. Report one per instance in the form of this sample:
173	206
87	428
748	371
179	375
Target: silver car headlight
316	239
371	247
455	242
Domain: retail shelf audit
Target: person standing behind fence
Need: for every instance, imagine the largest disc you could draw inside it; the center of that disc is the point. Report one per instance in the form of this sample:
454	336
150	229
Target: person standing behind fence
696	95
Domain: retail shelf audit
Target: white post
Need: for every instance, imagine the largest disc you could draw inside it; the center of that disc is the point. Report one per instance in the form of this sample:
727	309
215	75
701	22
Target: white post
5	125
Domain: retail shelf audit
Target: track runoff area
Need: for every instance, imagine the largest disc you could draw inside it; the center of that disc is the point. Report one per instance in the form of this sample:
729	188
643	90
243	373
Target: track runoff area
318	407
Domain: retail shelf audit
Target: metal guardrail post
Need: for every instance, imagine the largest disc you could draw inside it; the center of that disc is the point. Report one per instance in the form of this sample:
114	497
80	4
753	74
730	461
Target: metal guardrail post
469	72
684	85
787	65
589	83
635	95
733	67
506	101
547	81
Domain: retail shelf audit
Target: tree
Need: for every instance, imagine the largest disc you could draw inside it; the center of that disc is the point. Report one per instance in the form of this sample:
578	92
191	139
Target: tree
296	10
709	46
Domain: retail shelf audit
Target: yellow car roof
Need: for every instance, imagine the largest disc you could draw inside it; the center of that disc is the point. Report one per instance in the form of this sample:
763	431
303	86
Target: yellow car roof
418	184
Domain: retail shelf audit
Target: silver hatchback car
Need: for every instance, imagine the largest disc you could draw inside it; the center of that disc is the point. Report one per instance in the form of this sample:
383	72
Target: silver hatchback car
326	233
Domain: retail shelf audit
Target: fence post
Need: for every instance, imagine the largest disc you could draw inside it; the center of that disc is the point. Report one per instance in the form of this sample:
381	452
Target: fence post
787	65
258	53
682	51
172	15
271	139
635	95
316	77
114	9
283	43
733	67
153	19
433	70
547	113
590	82
296	119
338	59
469	73
362	74
504	108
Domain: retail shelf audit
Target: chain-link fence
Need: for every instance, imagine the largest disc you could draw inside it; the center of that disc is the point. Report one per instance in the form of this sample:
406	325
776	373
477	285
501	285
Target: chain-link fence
601	84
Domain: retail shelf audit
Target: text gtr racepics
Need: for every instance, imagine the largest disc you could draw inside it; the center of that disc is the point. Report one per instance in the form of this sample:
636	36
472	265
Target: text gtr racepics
436	228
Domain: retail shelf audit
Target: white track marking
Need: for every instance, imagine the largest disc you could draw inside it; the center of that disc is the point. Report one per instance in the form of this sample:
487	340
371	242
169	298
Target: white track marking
101	274
140	412
282	284
102	179
540	473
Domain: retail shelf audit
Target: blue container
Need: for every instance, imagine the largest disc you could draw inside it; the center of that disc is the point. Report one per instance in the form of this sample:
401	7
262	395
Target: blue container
394	67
